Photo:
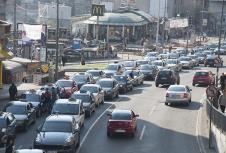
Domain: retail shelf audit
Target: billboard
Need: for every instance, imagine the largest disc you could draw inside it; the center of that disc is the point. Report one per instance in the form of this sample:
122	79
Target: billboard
178	23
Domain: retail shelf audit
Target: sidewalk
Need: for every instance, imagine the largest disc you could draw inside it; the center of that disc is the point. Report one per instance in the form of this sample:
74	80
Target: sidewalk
4	93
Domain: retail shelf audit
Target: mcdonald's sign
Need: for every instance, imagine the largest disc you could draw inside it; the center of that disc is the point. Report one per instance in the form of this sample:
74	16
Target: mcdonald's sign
98	10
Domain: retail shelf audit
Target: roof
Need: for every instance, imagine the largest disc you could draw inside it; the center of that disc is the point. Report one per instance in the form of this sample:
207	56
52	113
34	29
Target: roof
17	103
178	86
67	118
131	18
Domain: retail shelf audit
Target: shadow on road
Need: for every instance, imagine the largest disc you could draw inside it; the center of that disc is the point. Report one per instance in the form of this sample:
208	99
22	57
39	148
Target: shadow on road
192	106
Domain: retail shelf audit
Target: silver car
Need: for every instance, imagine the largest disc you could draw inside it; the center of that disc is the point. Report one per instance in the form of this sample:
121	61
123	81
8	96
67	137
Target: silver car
178	94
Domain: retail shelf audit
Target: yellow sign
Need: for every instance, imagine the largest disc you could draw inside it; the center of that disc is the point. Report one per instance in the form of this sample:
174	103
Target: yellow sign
45	68
98	10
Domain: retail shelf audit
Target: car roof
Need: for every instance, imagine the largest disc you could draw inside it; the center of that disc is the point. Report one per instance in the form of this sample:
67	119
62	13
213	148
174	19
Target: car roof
29	151
202	71
56	117
65	80
17	103
93	70
177	86
67	101
124	111
106	79
91	85
211	57
82	93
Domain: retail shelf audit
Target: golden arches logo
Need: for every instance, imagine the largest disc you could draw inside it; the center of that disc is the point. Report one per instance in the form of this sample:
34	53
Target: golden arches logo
98	10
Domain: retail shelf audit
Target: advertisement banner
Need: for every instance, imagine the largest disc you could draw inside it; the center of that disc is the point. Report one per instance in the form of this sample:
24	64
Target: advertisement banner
178	23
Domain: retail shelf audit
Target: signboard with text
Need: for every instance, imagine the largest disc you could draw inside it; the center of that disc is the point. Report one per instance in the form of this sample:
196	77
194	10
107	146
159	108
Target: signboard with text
98	10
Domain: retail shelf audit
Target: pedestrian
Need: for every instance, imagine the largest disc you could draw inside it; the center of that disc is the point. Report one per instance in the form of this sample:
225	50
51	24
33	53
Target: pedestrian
48	97
222	101
12	92
222	81
131	75
64	60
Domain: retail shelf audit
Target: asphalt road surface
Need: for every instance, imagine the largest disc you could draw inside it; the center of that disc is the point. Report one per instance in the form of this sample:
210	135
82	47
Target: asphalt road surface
161	129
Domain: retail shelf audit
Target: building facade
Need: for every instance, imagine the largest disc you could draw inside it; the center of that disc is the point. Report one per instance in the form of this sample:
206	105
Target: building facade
2	10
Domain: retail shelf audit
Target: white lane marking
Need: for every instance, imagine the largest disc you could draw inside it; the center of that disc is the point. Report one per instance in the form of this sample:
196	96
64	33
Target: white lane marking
142	132
198	126
91	127
152	110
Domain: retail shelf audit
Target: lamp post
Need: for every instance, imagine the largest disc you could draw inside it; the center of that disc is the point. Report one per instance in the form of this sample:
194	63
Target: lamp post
14	24
219	42
57	42
158	24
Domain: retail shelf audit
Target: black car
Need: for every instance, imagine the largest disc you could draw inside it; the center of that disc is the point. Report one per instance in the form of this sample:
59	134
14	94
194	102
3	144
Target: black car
166	77
58	133
149	71
212	61
7	127
36	100
110	87
82	79
88	102
124	83
24	113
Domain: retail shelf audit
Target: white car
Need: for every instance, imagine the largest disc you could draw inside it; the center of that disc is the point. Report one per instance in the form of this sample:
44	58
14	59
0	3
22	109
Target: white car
174	64
160	64
186	62
178	94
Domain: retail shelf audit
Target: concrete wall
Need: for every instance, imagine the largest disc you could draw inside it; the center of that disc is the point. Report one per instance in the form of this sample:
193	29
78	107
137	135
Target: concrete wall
218	139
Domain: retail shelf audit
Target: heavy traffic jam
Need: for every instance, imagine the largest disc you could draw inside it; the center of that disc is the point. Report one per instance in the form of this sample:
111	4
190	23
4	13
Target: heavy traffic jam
67	103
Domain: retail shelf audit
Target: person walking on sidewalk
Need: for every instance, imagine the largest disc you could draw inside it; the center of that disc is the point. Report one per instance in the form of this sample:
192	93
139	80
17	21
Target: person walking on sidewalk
222	81
222	101
12	92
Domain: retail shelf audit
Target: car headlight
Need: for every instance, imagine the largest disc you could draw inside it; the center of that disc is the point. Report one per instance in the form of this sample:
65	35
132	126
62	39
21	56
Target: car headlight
3	130
38	139
68	141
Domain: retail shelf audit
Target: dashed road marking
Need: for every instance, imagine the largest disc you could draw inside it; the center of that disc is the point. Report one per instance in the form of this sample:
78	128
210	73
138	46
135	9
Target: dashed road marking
152	110
142	132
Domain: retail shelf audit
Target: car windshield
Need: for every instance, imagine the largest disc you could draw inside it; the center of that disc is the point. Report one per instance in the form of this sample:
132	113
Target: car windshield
193	57
176	89
158	63
129	64
200	55
142	62
184	59
164	73
94	73
67	109
65	83
120	78
120	116
145	67
106	84
85	98
80	78
32	97
201	74
57	126
112	67
89	89
17	109
151	54
2	123
171	62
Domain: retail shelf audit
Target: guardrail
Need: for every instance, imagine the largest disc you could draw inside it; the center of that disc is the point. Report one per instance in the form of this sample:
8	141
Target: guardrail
218	118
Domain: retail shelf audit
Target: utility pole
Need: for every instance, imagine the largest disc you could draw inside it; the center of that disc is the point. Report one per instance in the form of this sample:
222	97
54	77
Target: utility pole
15	27
164	24
57	42
157	31
219	42
203	5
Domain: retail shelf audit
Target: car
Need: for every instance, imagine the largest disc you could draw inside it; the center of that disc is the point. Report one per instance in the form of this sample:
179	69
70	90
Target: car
149	71
88	102
212	61
186	62
152	54
35	98
150	58
24	113
208	52
114	68
58	133
72	55
66	87
174	64
138	77
159	63
97	92
222	51
130	65
166	77
122	122
71	106
125	84
178	94
82	79
203	77
174	55
201	57
29	151
97	74
7	126
110	87
195	59
141	62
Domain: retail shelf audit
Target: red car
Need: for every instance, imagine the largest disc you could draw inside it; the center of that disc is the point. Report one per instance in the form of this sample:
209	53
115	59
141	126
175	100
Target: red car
122	122
203	77
66	88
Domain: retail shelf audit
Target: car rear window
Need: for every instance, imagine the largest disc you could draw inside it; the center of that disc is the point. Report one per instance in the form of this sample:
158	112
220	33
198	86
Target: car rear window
164	73
121	116
176	88
201	74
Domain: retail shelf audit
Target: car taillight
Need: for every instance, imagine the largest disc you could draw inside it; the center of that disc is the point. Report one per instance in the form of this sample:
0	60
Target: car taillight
185	95
167	94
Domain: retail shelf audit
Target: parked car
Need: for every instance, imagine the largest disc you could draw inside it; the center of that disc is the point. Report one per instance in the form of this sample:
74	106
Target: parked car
212	61
186	62
58	133
24	113
178	94
97	74
66	87
166	77
97	92
122	122
203	77
149	71
7	126
88	102
110	87
82	79
71	107
125	84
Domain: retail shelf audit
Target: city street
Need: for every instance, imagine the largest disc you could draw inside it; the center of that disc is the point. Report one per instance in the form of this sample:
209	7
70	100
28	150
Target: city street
161	128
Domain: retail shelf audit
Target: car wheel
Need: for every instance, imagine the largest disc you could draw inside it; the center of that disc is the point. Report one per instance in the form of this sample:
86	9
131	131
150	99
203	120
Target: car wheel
133	134
89	114
166	104
102	102
193	84
156	84
109	134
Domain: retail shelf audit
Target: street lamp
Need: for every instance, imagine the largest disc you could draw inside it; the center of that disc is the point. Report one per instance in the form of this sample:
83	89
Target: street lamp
219	42
57	42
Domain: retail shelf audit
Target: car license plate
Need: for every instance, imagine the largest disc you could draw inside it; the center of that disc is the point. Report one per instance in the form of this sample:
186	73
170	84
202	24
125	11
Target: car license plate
175	96
120	131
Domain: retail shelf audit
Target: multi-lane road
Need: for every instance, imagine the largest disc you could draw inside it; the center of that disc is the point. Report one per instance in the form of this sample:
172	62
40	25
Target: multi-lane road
161	128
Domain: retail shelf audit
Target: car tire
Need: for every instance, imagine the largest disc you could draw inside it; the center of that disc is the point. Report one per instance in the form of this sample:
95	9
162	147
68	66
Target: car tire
102	102
193	84
109	134
166	103
133	134
89	114
156	84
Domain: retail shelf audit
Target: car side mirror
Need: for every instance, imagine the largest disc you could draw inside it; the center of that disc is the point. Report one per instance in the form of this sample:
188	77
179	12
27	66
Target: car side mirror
136	115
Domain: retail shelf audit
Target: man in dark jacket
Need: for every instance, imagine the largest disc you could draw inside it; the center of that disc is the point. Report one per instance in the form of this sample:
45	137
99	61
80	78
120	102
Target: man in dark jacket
222	81
12	92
